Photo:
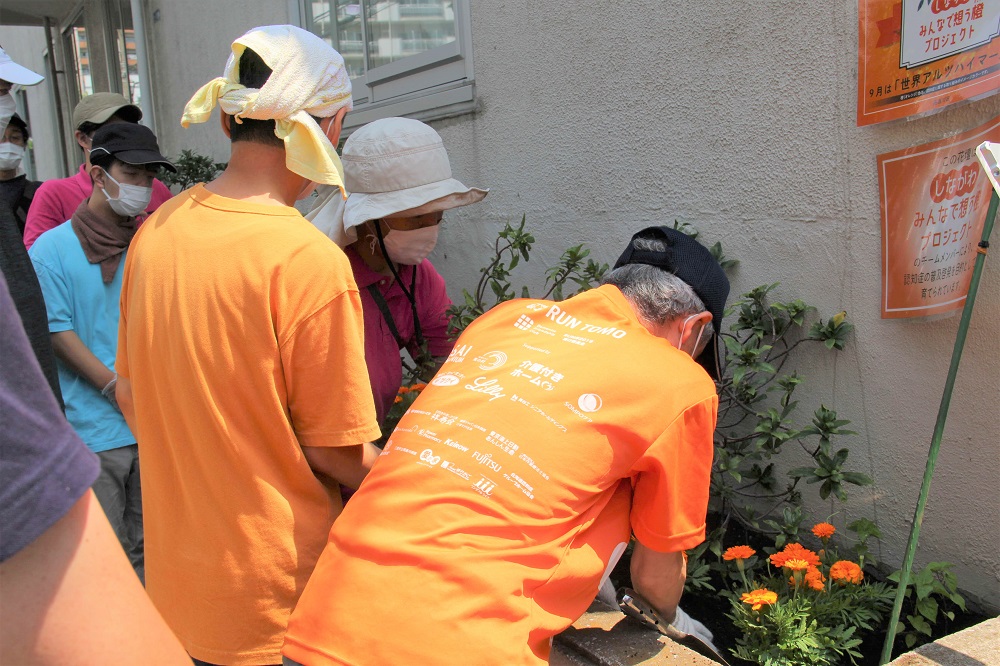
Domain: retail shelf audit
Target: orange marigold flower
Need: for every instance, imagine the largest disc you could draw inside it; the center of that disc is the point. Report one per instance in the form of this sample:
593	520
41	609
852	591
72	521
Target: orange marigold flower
398	399
418	387
794	551
823	530
758	598
796	565
738	553
403	390
815	579
846	571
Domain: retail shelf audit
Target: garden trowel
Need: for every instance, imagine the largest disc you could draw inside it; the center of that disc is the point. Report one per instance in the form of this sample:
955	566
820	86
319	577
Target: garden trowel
640	610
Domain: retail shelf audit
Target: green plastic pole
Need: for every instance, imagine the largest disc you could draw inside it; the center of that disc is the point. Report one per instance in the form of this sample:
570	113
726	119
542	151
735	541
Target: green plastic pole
956	357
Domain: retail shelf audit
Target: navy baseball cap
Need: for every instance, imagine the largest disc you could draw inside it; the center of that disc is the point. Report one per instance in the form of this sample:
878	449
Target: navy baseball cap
694	264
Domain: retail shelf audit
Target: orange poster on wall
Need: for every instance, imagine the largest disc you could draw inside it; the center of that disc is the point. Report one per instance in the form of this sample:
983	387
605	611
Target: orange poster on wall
934	200
918	56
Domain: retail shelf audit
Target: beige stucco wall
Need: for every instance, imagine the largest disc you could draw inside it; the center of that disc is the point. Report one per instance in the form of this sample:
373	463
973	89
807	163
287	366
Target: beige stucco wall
599	118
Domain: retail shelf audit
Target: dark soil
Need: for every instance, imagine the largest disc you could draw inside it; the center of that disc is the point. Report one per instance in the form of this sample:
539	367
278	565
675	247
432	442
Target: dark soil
711	609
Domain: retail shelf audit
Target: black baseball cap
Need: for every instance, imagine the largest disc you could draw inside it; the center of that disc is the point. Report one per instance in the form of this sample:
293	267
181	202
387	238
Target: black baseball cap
694	264
130	143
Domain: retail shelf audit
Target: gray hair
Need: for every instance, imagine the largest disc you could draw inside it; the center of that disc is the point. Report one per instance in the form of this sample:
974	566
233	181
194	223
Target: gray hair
657	295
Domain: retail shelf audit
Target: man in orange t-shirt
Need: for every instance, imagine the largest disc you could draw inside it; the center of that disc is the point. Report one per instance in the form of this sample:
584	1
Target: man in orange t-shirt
507	492
241	359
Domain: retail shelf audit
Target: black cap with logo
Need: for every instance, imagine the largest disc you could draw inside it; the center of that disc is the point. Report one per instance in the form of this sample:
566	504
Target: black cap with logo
694	264
130	143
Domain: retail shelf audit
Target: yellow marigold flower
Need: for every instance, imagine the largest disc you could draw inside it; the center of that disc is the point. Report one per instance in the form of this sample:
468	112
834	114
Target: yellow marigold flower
823	530
794	551
796	565
758	598
845	571
738	553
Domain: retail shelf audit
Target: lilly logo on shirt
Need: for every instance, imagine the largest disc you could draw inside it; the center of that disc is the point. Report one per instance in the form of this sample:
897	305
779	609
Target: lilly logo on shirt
536	307
446	379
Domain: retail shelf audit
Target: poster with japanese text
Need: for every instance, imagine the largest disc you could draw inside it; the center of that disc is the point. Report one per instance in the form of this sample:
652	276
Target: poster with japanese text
934	200
918	56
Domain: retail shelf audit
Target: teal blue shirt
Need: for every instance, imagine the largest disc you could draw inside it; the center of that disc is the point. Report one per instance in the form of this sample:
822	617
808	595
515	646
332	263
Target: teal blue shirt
76	299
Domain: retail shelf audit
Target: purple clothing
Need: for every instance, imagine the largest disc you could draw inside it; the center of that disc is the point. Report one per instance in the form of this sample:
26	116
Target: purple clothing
44	467
385	370
57	200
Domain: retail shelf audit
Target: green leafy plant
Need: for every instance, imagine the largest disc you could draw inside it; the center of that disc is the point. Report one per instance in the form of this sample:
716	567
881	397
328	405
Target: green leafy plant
757	412
192	168
513	244
931	594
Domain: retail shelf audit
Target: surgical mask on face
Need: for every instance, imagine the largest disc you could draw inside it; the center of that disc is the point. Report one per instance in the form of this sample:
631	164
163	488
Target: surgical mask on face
11	155
131	199
8	107
411	247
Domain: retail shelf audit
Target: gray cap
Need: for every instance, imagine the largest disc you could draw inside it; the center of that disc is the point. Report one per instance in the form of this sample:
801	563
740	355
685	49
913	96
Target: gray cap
97	108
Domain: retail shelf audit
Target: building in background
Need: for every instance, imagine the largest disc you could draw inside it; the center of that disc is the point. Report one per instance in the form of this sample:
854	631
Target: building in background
81	47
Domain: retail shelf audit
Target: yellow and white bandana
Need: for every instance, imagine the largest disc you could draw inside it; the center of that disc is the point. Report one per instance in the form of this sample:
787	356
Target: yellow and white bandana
308	79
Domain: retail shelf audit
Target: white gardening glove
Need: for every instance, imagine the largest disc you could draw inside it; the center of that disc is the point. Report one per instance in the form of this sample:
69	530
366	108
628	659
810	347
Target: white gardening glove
688	625
109	392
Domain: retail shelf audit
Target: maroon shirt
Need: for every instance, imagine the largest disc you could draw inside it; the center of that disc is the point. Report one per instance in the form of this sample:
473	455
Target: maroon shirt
385	370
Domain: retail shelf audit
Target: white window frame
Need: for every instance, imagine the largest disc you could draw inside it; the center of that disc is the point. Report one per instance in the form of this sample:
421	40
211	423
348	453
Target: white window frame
434	84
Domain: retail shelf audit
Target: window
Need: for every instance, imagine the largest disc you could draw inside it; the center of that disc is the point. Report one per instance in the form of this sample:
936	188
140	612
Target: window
405	57
123	37
77	49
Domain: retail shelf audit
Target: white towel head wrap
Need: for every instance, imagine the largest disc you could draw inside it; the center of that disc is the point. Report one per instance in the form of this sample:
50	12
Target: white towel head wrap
308	79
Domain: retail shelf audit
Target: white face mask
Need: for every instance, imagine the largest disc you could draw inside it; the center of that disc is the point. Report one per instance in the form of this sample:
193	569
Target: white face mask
8	107
131	199
411	247
11	155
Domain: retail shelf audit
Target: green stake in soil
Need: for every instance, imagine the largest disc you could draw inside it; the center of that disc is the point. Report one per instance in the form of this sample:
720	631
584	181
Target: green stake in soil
988	154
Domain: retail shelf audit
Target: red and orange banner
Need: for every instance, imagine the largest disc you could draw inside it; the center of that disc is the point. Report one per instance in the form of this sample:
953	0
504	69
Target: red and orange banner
934	200
918	56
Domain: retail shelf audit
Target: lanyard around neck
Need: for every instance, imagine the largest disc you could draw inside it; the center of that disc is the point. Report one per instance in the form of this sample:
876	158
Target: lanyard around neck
409	293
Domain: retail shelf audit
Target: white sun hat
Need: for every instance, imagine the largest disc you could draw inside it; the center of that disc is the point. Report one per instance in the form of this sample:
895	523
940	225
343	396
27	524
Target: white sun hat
11	72
390	165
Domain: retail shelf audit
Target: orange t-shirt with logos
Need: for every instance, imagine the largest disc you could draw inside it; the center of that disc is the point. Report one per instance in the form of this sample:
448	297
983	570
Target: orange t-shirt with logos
241	333
486	525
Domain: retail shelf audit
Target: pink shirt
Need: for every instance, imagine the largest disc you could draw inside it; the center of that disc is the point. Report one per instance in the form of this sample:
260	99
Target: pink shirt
57	200
385	370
